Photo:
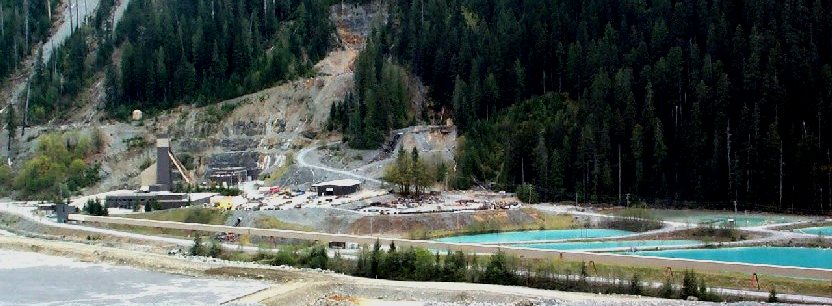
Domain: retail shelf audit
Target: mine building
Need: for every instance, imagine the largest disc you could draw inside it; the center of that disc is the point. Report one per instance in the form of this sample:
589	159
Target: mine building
337	187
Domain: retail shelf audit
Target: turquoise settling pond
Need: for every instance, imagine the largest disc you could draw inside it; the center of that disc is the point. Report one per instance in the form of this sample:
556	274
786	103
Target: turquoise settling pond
778	256
719	218
607	245
509	237
823	231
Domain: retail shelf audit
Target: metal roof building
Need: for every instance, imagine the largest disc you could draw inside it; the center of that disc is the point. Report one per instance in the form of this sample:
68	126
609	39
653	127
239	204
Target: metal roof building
337	187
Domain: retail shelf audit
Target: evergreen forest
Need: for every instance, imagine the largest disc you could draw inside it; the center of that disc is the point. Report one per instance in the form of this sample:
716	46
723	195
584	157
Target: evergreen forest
708	101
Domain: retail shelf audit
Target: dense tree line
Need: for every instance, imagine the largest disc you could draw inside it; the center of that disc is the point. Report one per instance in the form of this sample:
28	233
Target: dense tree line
208	50
705	100
23	24
419	264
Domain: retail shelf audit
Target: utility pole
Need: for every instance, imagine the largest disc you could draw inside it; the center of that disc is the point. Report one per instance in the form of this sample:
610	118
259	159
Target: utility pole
48	10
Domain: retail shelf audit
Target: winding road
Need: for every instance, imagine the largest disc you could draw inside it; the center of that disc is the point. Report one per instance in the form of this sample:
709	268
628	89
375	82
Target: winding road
301	159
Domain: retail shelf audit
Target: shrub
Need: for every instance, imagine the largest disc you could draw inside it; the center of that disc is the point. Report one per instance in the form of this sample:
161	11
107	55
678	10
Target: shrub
772	296
316	258
498	271
666	290
197	249
215	250
284	257
94	208
635	285
689	285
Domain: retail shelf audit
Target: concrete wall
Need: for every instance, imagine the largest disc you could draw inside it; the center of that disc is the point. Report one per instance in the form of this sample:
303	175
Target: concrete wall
598	258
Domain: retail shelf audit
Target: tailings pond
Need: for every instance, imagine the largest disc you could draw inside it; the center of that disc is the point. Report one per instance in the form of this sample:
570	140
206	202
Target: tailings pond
822	231
719	218
778	256
513	237
609	245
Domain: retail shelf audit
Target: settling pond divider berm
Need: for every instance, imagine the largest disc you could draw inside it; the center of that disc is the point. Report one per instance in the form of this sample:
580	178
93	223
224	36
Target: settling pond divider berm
573	256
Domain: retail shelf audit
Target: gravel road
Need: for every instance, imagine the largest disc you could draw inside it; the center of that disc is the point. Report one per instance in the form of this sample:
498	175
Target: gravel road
302	160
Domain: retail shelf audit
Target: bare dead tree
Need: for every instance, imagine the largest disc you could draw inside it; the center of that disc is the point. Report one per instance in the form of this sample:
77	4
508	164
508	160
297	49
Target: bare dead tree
26	13
2	22
619	173
781	173
728	144
26	108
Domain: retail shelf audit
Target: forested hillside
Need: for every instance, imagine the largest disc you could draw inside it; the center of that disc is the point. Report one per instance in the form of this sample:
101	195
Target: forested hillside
163	53
23	23
704	100
56	84
207	50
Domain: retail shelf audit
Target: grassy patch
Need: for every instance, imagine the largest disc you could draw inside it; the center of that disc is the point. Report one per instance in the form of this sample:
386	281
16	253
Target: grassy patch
278	172
270	222
198	215
187	215
213	114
